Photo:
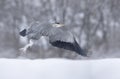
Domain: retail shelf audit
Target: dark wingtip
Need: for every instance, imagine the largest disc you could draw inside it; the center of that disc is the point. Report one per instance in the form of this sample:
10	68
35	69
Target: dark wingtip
23	33
79	50
82	52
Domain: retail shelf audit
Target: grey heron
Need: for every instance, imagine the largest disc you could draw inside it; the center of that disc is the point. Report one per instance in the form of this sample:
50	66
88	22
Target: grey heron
57	36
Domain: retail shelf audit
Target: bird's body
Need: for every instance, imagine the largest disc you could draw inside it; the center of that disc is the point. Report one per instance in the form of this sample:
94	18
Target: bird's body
57	36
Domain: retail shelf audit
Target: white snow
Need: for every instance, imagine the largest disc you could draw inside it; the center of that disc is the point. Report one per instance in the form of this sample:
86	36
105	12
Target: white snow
59	69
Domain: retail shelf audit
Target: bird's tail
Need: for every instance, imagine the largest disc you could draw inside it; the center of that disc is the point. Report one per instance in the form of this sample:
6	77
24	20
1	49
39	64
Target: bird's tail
78	49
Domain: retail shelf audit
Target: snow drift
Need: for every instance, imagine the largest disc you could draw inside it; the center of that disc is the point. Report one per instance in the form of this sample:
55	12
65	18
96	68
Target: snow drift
59	69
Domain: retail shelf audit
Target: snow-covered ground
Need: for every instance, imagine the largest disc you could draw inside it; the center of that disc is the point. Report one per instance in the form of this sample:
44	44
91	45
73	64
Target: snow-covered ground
59	69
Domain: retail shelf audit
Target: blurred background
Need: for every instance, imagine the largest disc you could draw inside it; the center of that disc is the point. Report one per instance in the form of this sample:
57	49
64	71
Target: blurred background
94	22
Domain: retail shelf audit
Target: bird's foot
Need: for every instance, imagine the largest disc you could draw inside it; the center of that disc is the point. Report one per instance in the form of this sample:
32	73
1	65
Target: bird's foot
23	51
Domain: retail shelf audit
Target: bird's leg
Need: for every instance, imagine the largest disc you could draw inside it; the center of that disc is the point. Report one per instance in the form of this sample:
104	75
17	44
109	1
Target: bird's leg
24	49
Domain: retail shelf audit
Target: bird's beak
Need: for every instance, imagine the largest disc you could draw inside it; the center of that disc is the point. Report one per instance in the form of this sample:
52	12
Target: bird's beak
58	25
23	32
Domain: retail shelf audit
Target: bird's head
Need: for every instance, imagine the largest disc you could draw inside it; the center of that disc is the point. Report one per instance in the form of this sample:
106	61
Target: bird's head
57	25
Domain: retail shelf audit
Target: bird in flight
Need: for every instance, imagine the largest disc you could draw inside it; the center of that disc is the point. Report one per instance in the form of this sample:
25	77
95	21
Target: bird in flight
58	37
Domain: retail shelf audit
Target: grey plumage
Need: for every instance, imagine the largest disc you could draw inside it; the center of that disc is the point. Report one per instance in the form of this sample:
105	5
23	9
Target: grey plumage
57	36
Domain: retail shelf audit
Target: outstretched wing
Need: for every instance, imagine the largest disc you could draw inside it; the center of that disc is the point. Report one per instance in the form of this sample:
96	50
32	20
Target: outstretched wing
69	46
66	41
